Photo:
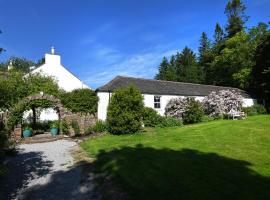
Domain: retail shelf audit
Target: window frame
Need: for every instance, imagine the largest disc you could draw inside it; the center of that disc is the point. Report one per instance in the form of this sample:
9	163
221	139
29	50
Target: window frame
157	104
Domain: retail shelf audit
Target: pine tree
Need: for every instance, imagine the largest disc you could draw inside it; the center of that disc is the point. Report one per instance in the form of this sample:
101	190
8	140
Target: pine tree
235	11
189	69
219	34
163	67
204	48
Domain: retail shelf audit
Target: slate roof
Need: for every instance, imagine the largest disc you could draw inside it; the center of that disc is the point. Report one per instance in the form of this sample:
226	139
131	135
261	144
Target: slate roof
160	87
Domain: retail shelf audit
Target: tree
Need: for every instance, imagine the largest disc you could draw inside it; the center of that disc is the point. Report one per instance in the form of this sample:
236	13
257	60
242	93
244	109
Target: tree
187	68
235	11
163	67
205	55
125	111
261	71
219	34
80	100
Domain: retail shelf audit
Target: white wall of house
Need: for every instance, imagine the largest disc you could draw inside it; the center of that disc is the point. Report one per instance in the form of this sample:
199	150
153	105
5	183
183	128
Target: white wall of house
53	67
149	102
103	103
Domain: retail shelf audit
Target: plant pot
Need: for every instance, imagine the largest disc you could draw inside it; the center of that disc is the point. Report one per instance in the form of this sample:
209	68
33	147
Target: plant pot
27	133
54	131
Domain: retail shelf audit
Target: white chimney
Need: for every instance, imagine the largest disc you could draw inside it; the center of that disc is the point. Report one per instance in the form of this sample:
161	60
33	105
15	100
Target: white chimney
52	50
52	59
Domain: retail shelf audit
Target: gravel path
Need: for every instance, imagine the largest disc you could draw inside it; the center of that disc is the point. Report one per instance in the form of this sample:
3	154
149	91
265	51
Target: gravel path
46	171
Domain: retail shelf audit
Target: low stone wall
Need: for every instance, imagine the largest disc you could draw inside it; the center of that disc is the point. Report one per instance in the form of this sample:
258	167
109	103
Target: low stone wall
84	121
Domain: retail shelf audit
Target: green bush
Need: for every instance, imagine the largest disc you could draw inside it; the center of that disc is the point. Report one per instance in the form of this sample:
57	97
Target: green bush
256	109
150	117
64	127
169	122
125	111
207	118
55	124
75	126
80	100
3	137
99	127
194	112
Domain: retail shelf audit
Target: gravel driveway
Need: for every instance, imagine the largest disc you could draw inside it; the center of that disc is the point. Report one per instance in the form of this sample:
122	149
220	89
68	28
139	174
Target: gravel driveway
46	171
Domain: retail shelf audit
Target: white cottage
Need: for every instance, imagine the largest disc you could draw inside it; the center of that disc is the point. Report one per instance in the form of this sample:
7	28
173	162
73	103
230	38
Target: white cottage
65	79
157	93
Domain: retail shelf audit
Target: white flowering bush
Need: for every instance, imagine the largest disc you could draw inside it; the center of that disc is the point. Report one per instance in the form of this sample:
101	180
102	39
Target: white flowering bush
216	104
176	108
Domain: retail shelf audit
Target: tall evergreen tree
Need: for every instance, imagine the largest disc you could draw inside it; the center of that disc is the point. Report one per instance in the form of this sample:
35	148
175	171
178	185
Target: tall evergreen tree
205	56
189	69
219	34
235	11
163	67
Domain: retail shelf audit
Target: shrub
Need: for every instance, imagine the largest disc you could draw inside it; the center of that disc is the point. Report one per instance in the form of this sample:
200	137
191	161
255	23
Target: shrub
3	136
80	100
150	117
256	109
193	112
75	126
206	118
99	127
216	104
176	108
169	122
64	127
125	111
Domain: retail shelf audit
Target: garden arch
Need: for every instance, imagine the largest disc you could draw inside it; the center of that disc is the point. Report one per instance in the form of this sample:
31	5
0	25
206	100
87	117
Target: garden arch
16	114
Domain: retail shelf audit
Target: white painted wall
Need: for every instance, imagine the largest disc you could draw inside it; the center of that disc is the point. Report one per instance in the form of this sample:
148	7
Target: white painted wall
53	67
149	102
103	105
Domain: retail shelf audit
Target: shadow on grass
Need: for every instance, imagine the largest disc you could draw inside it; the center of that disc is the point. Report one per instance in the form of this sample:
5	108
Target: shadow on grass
148	173
20	170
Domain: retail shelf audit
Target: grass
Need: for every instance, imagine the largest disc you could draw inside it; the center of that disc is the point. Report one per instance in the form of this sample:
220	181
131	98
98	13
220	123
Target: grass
214	160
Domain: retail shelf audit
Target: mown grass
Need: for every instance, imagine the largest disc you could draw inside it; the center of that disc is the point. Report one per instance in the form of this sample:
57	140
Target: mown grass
214	160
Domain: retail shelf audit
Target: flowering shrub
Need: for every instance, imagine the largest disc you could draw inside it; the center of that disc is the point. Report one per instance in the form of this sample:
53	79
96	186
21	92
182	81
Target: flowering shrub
176	108
216	104
187	110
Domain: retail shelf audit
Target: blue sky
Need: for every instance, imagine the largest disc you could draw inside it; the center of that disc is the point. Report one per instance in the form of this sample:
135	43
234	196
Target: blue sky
100	39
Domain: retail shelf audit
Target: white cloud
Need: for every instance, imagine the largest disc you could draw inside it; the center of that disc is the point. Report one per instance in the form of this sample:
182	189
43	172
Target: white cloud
142	65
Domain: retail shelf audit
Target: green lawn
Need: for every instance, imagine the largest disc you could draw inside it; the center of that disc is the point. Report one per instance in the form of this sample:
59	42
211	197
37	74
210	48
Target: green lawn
215	160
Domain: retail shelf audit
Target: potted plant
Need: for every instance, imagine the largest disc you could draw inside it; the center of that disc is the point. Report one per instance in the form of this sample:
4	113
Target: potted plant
54	128
27	131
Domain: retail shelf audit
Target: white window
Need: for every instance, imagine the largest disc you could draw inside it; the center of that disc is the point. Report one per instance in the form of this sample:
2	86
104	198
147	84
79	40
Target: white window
156	101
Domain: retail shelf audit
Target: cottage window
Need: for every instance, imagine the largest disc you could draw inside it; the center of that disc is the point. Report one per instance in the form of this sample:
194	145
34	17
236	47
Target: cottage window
156	101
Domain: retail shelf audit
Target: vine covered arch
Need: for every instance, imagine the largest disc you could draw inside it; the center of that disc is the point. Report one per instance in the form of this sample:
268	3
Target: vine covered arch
43	100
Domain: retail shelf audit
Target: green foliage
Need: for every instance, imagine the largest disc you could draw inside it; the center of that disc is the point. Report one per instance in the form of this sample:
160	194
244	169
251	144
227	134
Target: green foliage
193	113
256	109
182	67
261	71
64	127
80	100
15	87
76	127
169	122
55	124
206	118
99	127
125	111
150	117
235	11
